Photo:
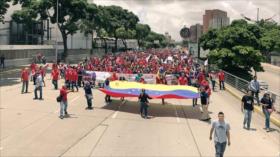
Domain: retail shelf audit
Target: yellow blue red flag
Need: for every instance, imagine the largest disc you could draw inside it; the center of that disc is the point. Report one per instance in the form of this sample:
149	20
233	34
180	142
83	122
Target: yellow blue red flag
156	91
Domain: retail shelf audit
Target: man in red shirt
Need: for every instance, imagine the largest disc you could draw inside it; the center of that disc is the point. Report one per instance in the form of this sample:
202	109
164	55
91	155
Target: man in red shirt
24	80
221	76
55	74
63	102
74	79
182	80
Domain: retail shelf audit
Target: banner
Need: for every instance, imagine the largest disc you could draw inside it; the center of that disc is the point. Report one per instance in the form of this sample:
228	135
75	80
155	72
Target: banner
157	91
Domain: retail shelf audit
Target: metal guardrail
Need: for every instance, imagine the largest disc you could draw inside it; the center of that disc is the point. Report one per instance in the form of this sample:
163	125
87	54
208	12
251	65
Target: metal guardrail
242	85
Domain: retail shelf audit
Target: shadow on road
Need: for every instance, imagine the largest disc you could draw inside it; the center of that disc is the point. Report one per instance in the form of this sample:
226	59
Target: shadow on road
157	109
9	81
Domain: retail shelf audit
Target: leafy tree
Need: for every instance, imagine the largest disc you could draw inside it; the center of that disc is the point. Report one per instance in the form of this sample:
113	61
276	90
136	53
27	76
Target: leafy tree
124	34
235	48
117	17
142	31
70	13
4	5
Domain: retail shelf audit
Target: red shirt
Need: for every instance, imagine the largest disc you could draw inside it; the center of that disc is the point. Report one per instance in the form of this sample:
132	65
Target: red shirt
201	77
75	75
63	93
55	74
221	76
25	75
114	77
67	74
182	80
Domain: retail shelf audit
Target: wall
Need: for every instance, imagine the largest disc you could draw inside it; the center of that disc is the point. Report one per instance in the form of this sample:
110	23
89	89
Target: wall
17	55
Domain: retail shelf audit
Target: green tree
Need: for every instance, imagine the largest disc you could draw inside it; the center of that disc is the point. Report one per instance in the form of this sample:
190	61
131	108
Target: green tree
117	17
235	48
70	13
124	34
90	23
4	5
142	31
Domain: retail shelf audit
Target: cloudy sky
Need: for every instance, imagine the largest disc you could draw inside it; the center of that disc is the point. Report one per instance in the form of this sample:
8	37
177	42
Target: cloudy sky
171	15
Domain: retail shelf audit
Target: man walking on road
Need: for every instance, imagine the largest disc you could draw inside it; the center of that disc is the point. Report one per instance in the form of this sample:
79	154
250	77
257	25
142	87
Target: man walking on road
221	135
254	87
2	61
63	102
204	97
55	75
24	80
143	98
38	86
221	76
247	106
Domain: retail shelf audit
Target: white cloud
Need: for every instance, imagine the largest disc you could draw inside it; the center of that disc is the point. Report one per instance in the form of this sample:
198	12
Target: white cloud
171	15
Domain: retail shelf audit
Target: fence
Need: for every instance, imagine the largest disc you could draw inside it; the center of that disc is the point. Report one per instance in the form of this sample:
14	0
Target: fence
242	85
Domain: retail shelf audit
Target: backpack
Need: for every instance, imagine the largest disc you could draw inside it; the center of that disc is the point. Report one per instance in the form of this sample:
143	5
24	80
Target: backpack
59	98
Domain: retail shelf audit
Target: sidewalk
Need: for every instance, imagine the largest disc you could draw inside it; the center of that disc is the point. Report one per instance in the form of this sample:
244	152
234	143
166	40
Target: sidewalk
275	117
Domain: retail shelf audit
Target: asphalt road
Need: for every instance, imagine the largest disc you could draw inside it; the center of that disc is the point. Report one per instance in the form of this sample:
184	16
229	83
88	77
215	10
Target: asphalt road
32	128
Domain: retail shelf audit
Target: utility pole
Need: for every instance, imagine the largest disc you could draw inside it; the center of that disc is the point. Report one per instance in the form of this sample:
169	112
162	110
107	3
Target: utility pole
56	47
258	11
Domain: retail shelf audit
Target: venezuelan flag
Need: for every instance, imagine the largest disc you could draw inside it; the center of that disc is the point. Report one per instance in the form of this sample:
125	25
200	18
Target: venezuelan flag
156	91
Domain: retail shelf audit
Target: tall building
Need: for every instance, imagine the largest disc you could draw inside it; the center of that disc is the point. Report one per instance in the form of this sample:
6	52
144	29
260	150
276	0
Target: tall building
214	19
196	32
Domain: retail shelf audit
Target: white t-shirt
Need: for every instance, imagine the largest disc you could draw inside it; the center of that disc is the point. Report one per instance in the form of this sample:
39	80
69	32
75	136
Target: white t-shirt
220	131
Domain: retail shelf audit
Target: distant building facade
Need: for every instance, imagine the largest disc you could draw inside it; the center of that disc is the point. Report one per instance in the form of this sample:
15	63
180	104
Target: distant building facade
39	33
214	19
196	32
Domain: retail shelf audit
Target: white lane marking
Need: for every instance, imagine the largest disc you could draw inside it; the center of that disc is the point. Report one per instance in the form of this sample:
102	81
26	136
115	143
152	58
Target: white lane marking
71	101
176	113
77	97
115	114
178	119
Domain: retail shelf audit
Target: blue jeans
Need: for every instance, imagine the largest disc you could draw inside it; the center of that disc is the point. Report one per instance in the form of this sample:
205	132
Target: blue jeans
220	148
267	118
222	85
247	118
40	90
63	108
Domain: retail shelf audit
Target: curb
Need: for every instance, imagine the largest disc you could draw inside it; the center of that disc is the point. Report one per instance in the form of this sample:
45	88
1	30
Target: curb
257	109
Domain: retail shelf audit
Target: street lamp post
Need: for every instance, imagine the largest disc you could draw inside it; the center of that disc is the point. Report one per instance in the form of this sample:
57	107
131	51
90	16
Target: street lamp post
56	47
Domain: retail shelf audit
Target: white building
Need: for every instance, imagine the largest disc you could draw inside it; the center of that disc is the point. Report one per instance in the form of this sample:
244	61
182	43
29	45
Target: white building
12	33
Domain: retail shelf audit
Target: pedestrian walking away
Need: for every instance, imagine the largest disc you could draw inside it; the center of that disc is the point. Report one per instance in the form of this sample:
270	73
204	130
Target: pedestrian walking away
38	86
88	95
247	106
2	61
143	99
221	76
55	77
24	80
221	135
254	87
204	103
268	108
